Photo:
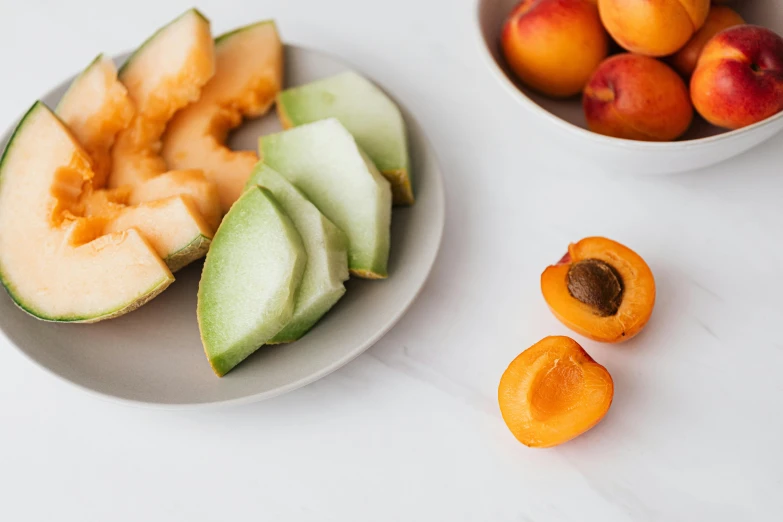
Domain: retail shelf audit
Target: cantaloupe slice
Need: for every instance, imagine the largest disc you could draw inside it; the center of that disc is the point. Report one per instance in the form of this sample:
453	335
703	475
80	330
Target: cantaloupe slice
190	183
173	226
323	160
164	75
53	262
248	76
96	107
250	280
367	112
327	254
92	107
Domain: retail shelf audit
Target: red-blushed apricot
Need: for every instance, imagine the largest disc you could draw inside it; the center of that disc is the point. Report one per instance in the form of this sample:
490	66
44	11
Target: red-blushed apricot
720	18
554	45
600	289
738	80
653	27
552	392
637	98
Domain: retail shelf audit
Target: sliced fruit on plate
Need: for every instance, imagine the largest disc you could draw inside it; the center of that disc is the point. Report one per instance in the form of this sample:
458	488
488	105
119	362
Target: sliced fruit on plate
327	255
173	226
96	107
53	262
367	112
191	183
323	160
250	280
164	75
248	76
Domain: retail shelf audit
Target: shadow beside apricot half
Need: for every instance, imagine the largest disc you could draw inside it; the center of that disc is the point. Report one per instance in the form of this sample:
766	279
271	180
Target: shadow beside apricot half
600	289
552	392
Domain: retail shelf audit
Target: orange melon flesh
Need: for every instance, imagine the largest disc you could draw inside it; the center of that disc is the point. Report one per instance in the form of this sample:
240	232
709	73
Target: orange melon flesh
191	183
53	262
248	76
164	75
173	226
96	107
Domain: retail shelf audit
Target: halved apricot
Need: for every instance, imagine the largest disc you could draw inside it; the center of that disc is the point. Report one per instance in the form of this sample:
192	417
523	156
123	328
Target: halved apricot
600	289
552	392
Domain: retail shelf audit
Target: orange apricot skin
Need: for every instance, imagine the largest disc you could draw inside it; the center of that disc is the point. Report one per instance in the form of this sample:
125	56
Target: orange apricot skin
635	97
553	46
653	27
719	18
543	408
638	295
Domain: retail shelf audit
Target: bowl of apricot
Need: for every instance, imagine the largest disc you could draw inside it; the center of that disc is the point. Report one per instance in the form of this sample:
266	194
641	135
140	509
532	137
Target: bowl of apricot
641	86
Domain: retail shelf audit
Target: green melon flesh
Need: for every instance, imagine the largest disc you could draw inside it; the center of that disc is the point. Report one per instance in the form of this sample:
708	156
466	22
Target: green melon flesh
372	117
55	264
248	76
323	160
327	255
164	75
250	280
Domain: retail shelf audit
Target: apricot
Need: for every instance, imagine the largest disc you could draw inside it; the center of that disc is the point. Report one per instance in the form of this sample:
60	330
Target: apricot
553	46
653	27
600	289
738	80
552	392
637	98
719	18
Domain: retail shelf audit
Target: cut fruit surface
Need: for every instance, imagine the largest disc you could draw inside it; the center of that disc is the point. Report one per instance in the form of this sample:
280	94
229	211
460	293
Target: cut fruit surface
173	226
323	160
327	254
250	280
96	107
248	76
190	183
54	262
164	75
367	112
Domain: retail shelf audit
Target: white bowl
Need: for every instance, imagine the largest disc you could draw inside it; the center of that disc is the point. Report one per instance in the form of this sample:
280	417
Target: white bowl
564	120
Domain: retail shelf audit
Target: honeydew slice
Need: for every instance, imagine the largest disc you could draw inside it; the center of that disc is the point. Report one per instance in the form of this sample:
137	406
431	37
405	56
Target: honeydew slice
327	255
248	76
164	75
367	112
323	160
54	263
250	280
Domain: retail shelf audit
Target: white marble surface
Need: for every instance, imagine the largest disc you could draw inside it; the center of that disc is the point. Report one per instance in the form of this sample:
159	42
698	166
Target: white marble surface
411	430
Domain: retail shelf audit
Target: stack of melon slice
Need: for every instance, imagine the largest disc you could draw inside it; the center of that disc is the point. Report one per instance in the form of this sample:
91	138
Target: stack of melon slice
130	181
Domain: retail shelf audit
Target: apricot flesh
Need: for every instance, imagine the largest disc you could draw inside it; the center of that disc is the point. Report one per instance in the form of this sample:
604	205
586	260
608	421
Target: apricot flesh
653	27
554	45
635	97
719	18
631	298
552	392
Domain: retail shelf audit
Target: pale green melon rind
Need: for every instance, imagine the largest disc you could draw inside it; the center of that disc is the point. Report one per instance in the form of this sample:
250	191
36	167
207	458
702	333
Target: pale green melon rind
196	249
302	155
73	87
235	32
147	295
232	321
367	112
151	39
327	256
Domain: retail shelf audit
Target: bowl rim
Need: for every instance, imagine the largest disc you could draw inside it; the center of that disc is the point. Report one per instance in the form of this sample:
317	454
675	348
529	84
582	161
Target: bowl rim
516	93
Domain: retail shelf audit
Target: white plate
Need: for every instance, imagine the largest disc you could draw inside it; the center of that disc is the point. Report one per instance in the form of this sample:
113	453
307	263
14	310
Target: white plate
154	356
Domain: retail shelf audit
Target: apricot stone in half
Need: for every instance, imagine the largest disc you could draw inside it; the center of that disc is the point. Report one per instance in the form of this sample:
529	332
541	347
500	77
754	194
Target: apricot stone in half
552	392
600	289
